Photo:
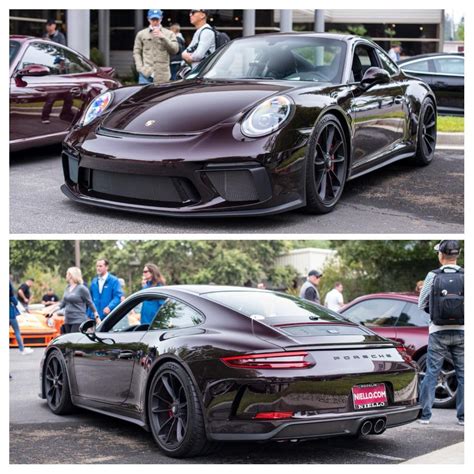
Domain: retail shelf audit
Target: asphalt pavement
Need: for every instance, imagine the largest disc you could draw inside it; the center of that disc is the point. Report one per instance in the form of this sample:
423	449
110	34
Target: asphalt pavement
399	198
37	436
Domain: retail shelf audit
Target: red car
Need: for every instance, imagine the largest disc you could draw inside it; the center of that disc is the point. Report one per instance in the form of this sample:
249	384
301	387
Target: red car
396	316
50	85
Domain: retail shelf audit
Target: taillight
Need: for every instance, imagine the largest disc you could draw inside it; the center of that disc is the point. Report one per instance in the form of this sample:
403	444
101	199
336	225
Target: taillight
273	415
403	352
275	360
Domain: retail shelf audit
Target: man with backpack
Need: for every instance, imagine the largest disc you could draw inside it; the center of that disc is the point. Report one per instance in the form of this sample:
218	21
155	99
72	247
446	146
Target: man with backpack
206	39
442	296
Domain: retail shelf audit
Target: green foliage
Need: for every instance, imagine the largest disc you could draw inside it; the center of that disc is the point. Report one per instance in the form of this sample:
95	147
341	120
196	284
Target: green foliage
459	35
97	57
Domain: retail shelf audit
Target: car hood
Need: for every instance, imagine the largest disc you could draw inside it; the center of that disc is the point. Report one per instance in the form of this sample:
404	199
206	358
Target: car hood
187	107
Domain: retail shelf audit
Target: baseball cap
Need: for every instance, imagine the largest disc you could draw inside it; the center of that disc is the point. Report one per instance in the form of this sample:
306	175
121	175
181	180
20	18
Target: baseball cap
206	12
448	247
155	14
315	273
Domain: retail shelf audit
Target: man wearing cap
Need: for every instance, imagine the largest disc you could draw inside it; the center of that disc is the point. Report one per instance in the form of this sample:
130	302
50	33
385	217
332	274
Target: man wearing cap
53	34
446	340
309	291
152	50
204	39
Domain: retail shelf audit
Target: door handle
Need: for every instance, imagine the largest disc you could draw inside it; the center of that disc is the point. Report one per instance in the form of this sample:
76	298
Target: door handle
76	91
126	355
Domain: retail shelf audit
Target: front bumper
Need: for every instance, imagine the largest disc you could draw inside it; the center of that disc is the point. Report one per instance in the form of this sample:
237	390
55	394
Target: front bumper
151	176
318	426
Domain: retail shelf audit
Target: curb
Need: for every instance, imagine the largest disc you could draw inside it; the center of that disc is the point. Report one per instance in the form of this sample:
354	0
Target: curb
450	455
450	139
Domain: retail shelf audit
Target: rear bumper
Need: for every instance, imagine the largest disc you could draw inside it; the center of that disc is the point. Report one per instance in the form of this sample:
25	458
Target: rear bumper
318	426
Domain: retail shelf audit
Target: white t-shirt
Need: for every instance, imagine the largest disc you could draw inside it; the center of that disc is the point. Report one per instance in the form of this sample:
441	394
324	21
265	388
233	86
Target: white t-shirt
334	300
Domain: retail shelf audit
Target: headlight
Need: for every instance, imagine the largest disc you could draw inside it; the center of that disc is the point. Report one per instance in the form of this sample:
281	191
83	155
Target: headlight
97	107
267	117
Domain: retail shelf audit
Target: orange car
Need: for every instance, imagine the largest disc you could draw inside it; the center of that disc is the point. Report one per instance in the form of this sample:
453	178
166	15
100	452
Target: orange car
36	329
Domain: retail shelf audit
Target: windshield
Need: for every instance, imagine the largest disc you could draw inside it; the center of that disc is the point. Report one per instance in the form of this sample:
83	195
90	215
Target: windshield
279	58
266	304
14	47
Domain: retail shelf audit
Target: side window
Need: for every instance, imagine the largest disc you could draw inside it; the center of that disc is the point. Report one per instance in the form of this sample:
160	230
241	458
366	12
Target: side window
74	63
377	312
364	58
136	317
412	316
45	54
387	63
176	315
418	66
450	65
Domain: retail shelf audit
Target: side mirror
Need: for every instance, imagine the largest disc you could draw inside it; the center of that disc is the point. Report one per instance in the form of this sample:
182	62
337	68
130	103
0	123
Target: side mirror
373	76
88	328
34	70
183	71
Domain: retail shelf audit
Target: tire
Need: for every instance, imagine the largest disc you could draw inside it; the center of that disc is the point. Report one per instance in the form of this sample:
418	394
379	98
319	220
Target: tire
445	395
426	135
327	162
56	385
175	415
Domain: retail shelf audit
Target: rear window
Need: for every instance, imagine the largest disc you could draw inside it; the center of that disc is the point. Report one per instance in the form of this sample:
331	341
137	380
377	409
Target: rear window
14	47
303	330
267	304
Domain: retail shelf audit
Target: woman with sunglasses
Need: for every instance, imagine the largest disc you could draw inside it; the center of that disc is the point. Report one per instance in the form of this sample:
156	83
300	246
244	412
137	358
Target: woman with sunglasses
152	277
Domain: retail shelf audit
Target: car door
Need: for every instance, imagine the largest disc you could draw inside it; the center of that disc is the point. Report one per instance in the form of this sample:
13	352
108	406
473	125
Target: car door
104	366
377	111
412	328
448	83
47	104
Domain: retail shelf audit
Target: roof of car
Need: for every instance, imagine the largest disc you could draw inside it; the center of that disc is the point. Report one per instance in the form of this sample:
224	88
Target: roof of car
428	56
337	36
405	296
202	289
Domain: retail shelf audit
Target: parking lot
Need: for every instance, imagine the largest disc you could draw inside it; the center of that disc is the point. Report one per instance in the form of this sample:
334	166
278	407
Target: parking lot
37	436
397	198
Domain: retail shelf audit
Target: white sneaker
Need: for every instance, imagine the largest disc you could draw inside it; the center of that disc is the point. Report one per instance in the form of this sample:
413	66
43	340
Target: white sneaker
423	422
26	351
461	422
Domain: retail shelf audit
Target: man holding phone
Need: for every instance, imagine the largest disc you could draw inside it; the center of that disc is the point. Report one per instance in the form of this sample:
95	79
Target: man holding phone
152	50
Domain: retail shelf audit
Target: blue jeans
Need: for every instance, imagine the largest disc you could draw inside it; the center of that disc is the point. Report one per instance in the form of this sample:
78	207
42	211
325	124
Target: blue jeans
144	80
448	343
16	329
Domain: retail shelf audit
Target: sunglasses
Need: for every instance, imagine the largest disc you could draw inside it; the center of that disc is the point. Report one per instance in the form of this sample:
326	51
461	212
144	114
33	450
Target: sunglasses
192	12
146	271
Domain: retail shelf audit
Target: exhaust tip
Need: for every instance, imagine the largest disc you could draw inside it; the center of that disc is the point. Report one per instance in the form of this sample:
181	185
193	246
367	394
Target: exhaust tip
366	428
379	426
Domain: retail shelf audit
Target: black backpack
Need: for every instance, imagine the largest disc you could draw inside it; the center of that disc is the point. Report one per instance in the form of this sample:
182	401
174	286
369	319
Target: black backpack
447	297
221	39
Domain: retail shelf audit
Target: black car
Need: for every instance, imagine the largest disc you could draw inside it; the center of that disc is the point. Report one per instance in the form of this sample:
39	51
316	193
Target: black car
445	75
200	364
266	124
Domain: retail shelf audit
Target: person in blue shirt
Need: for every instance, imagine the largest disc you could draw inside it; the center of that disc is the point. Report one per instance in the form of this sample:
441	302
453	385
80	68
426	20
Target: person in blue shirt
105	289
152	278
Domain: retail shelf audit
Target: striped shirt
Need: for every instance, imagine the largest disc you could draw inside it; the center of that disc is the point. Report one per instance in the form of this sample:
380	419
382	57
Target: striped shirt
424	298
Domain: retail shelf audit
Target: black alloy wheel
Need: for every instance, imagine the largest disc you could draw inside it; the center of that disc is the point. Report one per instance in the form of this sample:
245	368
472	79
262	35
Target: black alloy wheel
175	414
327	163
446	385
426	133
56	385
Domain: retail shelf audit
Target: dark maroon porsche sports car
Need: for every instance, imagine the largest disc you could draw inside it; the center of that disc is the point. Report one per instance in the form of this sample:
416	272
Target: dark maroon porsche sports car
264	125
200	364
396	316
50	85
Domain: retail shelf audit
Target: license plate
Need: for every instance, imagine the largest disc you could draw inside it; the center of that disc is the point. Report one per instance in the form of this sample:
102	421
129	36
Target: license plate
369	396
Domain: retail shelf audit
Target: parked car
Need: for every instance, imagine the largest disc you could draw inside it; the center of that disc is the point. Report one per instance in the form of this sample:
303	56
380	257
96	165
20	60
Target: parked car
444	72
397	317
216	363
266	124
50	85
36	330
